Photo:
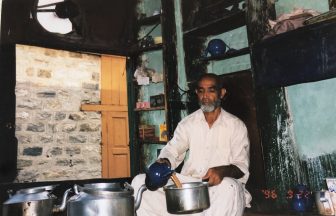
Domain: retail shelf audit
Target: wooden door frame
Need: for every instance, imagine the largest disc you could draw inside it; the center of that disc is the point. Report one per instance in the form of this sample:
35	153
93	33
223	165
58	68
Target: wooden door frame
106	106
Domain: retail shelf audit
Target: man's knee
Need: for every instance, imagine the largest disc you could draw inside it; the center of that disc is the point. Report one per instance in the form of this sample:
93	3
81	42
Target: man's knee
138	180
230	184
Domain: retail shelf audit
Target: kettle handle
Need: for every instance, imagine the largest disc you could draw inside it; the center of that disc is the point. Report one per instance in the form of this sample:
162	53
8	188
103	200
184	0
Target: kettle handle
61	208
128	187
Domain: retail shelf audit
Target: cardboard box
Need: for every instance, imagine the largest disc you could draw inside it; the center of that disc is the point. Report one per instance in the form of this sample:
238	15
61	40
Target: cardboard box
147	132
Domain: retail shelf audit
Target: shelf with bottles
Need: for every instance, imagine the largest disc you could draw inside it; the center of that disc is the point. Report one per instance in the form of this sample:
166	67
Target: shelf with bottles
149	27
149	39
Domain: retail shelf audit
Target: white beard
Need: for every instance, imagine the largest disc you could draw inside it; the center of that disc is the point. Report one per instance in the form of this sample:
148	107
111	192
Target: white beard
209	107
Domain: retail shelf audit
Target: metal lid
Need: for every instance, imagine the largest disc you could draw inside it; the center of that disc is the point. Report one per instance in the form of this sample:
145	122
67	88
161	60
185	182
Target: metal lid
36	189
109	189
31	194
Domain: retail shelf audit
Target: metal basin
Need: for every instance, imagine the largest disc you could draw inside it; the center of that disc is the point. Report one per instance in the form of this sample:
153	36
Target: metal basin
193	197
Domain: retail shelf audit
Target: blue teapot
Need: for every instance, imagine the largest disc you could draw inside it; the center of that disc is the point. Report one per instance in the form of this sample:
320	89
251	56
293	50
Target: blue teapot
216	47
157	175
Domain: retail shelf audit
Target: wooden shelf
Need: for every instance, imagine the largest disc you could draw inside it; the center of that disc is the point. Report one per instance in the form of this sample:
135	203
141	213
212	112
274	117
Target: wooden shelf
150	20
103	107
226	23
227	55
295	57
152	142
150	109
150	82
138	50
192	83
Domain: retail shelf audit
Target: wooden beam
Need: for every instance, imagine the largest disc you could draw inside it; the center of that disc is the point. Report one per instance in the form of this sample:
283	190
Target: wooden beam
99	107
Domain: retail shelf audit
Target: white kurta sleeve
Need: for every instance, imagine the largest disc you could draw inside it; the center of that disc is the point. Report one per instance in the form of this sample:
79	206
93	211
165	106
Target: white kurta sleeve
176	148
240	150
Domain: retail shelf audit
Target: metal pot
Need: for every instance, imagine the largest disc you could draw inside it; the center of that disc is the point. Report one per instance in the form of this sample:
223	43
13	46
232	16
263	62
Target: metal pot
33	201
104	199
193	197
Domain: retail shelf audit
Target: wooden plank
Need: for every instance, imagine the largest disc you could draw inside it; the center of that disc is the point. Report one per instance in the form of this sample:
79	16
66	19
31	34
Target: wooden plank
123	82
118	145
113	79
105	155
106	80
115	70
99	107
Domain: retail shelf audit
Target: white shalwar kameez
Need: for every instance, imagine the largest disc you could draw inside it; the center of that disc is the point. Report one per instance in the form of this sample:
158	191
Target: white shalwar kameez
225	143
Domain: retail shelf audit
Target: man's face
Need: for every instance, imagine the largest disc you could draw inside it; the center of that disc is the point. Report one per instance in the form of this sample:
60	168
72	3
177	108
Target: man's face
209	96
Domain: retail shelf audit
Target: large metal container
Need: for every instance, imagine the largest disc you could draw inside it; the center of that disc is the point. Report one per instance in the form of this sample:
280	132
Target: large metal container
103	199
37	201
193	197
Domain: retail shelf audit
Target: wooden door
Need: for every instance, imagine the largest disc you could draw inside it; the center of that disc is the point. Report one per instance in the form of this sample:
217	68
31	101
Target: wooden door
116	155
115	128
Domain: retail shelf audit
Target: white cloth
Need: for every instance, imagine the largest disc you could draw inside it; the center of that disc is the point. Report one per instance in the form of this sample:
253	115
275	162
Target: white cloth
225	143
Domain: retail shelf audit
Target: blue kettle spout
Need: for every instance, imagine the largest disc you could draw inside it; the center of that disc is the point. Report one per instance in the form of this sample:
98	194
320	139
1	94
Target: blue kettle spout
168	174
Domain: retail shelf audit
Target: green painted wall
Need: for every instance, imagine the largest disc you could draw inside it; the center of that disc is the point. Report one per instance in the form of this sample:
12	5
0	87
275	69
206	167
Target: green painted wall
312	106
297	125
287	6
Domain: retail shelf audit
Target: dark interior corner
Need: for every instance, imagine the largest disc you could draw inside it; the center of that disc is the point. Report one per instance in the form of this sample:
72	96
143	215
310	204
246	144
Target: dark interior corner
101	26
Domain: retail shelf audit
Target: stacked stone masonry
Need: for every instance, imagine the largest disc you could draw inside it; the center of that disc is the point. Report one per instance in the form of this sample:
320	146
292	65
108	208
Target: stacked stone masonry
57	141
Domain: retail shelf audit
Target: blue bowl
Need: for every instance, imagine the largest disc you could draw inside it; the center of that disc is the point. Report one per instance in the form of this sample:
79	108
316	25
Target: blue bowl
216	47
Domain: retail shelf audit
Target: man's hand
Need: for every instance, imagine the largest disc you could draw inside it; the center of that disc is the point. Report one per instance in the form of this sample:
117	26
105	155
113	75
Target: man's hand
215	175
164	160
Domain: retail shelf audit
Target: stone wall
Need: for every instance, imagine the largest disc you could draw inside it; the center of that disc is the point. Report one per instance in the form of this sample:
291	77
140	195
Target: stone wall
57	141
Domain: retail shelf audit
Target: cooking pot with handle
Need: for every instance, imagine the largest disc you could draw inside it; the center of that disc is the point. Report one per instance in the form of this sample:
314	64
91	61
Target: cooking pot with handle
192	197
